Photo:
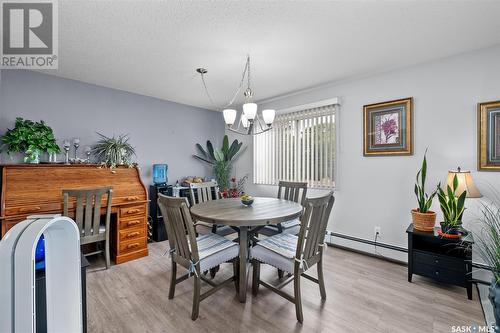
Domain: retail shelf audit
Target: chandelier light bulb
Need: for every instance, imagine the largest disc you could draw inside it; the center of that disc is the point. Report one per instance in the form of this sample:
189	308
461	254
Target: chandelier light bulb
244	121
250	110
229	116
268	116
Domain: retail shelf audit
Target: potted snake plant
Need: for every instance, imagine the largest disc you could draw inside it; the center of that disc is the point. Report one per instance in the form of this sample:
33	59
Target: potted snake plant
423	218
452	207
488	244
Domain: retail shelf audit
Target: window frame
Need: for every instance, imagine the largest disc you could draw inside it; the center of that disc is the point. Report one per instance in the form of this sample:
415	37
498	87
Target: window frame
335	102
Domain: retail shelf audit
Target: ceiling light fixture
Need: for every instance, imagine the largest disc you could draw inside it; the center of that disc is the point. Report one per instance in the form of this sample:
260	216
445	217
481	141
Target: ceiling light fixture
250	121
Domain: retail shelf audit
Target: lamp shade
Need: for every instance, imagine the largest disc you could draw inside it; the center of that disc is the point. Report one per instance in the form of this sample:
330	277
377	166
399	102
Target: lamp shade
250	110
465	183
268	116
229	116
244	120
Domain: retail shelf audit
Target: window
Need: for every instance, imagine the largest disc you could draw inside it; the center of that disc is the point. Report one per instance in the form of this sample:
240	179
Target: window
300	147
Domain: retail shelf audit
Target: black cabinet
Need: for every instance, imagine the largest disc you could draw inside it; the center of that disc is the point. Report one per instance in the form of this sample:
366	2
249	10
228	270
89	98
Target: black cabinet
442	259
158	231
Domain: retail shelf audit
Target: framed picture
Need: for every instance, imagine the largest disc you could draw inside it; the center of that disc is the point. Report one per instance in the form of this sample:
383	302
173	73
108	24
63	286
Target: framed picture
488	136
388	128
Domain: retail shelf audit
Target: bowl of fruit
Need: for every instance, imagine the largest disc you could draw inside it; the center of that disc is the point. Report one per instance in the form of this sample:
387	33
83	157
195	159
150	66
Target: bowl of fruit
247	200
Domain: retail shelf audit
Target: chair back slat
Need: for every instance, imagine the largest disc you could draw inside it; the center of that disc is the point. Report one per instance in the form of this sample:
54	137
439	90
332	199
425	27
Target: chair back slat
97	213
88	209
203	192
180	226
292	191
89	220
313	225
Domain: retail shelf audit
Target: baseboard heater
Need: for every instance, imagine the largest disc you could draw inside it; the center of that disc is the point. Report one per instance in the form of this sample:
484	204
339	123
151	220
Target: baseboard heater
391	247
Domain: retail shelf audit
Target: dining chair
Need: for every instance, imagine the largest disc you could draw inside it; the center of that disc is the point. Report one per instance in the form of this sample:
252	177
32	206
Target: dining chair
196	254
293	191
207	191
88	216
296	254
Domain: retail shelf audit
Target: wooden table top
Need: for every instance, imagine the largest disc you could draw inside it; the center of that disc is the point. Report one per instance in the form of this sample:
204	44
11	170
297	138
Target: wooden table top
233	213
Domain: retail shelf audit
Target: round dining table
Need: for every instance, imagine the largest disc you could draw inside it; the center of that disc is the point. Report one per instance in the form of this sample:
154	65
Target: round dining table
247	220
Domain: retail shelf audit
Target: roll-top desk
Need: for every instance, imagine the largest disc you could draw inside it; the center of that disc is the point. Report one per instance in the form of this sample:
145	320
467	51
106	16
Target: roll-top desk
37	189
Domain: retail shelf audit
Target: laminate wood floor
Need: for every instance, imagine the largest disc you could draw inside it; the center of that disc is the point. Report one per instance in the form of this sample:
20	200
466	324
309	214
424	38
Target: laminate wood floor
364	294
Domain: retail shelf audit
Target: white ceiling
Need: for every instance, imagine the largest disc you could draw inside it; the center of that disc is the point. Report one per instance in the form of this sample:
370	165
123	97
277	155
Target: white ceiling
153	47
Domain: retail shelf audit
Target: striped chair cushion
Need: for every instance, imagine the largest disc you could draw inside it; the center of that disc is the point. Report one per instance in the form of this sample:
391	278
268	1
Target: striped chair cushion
278	251
290	224
214	250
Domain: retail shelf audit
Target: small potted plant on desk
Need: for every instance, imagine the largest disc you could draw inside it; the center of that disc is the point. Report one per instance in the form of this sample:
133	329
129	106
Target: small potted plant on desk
452	208
423	218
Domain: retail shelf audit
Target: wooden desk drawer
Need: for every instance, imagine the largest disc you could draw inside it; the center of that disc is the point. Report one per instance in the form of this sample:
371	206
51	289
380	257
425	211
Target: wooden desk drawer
440	261
129	234
440	274
132	222
33	209
132	245
136	210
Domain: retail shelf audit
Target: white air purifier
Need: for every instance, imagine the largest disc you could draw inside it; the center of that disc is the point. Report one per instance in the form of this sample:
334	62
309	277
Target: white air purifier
62	275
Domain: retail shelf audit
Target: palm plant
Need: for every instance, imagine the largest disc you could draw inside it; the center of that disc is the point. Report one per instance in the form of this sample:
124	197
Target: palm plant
488	245
424	200
220	159
113	151
451	206
488	240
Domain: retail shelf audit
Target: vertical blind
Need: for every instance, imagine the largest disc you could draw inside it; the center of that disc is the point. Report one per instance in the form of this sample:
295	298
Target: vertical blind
299	147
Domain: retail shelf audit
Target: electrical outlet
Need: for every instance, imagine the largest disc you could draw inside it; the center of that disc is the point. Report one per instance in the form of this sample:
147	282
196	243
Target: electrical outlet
377	230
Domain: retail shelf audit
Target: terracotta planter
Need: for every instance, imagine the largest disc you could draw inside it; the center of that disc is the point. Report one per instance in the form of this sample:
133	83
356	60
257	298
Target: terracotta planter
423	221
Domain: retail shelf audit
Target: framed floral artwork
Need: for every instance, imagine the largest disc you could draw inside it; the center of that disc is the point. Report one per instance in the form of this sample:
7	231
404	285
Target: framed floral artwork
488	136
388	128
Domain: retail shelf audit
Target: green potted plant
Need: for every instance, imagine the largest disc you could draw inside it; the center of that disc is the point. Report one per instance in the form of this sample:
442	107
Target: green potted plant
452	207
488	244
113	151
220	159
31	138
423	218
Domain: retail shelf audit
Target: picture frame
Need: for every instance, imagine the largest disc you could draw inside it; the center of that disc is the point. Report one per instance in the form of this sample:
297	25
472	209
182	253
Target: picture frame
388	128
488	136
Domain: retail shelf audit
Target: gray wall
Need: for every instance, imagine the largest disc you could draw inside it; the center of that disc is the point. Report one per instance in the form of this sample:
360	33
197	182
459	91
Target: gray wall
378	191
161	131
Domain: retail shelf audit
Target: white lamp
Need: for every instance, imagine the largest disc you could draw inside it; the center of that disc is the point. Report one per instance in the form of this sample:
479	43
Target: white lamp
250	110
268	116
465	183
244	120
229	116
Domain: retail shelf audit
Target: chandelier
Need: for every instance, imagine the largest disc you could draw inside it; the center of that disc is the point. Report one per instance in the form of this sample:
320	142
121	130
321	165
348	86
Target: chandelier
250	121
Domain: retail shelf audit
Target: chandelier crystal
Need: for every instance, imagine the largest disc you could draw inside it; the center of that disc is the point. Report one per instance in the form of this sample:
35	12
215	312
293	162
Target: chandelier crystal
250	122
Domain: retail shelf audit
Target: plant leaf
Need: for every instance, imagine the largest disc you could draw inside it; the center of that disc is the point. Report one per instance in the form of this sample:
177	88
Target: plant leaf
203	159
210	149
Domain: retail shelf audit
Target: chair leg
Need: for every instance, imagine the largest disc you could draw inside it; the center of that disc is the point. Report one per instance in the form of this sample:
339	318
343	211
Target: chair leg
236	270
173	277
106	253
298	299
255	277
196	298
280	274
321	280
